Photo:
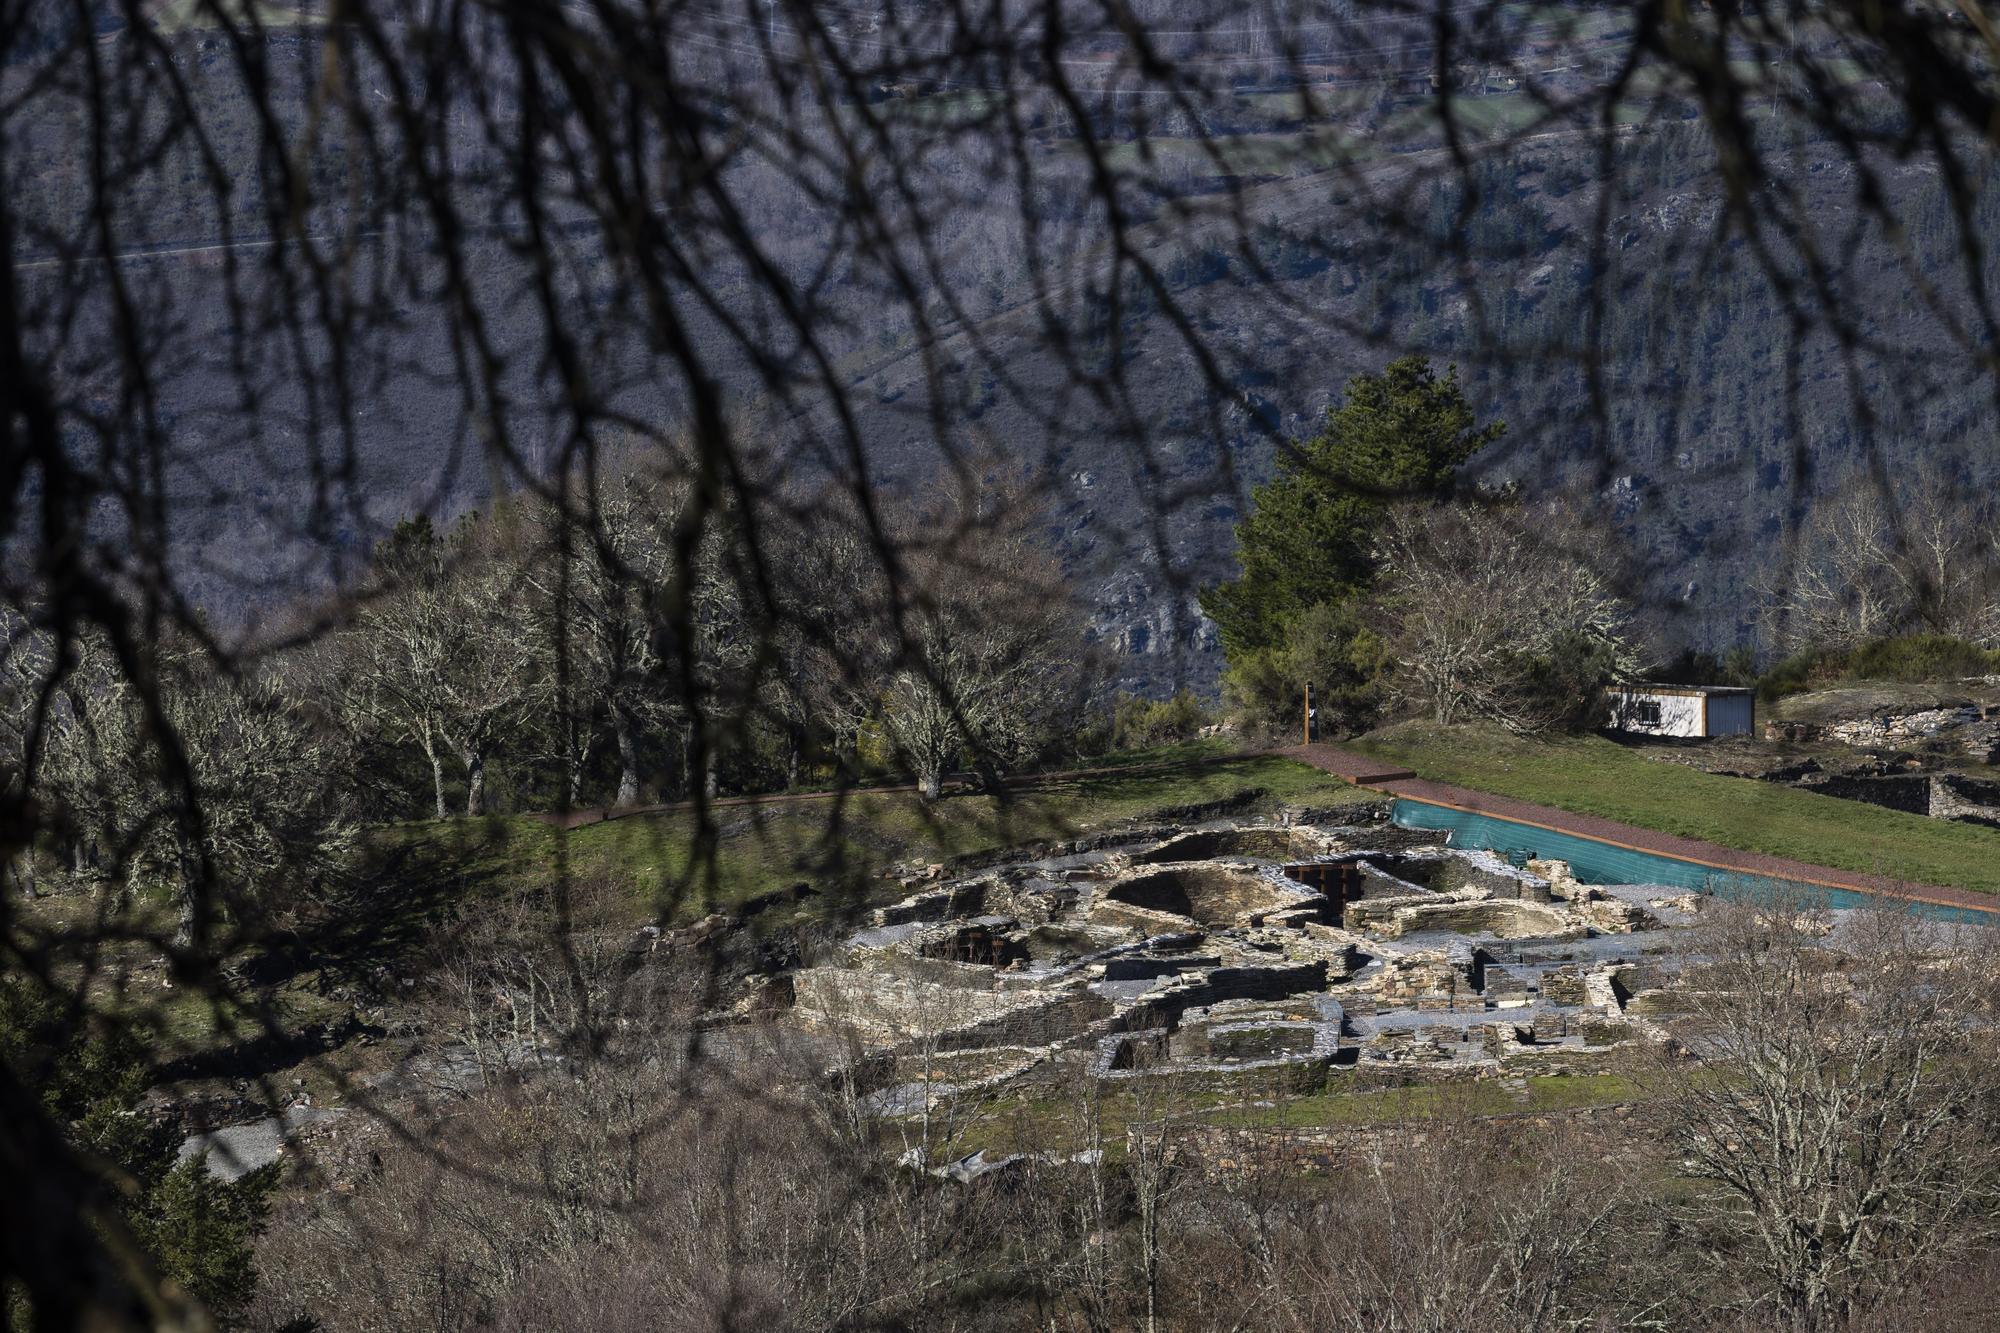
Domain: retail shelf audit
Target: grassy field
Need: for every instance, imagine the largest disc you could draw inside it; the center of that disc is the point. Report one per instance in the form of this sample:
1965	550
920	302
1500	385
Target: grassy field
418	876
1594	776
1053	1122
842	845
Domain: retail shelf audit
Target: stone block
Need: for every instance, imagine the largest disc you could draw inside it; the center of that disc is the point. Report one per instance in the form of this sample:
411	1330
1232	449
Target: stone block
1563	985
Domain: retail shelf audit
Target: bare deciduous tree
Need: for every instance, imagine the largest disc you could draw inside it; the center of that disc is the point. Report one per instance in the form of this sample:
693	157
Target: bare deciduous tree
1923	559
1840	1125
988	656
1435	1222
1480	606
1433	1250
438	659
265	775
597	584
222	222
1840	592
1945	559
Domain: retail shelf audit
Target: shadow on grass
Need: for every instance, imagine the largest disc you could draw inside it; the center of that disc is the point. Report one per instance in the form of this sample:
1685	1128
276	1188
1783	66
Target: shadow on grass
354	949
411	878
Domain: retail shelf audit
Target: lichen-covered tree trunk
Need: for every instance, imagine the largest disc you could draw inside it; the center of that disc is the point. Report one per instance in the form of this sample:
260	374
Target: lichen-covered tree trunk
187	892
623	734
437	780
990	780
475	782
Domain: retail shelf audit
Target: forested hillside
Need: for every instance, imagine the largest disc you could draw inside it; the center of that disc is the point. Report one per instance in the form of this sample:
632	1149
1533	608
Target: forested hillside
1309	212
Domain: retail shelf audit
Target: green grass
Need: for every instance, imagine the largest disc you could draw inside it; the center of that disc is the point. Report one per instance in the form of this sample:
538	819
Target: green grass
186	15
1594	776
184	1028
1177	752
1018	1122
842	845
1543	1093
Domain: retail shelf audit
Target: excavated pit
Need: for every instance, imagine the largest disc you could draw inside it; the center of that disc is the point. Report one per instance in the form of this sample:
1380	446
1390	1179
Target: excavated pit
1059	944
1210	894
1389	874
985	942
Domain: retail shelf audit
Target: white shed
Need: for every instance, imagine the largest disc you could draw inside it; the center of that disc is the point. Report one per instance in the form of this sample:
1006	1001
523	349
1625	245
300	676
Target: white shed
1695	711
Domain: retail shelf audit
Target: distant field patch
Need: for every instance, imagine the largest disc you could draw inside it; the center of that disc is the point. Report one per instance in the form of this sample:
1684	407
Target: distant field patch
189	15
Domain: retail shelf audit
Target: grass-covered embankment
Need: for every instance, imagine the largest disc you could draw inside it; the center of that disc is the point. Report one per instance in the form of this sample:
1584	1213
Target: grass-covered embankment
1594	776
1910	659
1061	1120
840	845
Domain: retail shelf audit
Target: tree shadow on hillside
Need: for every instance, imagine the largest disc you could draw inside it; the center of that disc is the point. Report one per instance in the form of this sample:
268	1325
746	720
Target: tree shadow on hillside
355	953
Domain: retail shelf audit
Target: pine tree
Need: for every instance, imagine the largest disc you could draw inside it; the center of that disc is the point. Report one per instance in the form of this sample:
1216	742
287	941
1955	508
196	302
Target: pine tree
1308	539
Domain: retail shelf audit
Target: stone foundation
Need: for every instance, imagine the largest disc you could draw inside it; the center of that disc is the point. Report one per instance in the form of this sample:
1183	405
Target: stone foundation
889	1009
1508	919
1138	961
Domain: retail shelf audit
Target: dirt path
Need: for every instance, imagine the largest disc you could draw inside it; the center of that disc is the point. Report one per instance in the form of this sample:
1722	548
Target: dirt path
1377	775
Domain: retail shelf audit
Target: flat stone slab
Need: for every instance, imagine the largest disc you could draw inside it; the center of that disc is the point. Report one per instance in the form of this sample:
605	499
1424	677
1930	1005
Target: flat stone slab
237	1150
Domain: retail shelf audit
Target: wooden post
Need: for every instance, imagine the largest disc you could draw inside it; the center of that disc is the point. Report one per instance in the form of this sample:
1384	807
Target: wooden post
1309	713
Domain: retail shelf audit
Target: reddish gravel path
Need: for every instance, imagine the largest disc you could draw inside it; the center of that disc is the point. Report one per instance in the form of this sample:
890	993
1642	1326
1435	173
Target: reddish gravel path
1375	774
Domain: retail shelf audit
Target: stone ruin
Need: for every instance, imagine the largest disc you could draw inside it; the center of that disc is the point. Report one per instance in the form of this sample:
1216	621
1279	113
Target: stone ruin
1279	946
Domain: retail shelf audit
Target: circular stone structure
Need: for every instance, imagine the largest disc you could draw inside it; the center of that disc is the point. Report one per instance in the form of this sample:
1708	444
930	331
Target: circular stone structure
1206	892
